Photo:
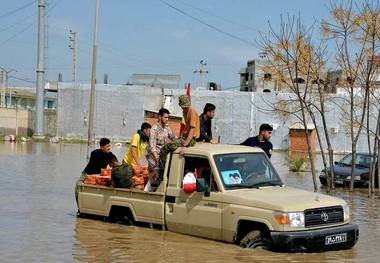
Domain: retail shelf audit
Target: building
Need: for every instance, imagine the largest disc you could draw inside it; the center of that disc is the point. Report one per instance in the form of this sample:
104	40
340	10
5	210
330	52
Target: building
17	111
257	78
25	98
247	77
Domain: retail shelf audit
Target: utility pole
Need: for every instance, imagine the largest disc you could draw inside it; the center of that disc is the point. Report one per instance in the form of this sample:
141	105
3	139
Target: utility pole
202	73
2	77
73	47
93	79
39	125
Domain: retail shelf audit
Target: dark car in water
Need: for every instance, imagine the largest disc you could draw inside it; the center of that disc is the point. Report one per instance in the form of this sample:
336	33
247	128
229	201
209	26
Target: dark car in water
342	171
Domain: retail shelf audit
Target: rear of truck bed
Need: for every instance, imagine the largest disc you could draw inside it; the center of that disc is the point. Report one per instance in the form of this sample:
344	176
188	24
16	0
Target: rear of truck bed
147	207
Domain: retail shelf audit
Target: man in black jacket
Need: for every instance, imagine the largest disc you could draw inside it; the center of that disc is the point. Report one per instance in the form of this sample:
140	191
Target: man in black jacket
262	140
205	123
99	159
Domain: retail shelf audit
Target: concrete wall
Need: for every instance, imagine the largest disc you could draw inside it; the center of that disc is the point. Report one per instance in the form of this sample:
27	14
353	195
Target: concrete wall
120	112
21	122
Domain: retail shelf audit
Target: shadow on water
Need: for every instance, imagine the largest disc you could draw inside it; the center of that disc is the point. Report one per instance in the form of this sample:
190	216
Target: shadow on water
38	220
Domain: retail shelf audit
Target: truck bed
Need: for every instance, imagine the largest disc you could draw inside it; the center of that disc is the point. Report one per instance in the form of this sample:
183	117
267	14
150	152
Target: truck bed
99	200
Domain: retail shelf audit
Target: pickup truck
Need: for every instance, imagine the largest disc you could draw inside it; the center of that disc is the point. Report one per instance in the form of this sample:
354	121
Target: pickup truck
239	198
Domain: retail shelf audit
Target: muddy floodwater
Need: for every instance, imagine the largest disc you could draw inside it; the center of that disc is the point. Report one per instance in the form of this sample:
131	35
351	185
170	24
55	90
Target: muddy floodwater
38	220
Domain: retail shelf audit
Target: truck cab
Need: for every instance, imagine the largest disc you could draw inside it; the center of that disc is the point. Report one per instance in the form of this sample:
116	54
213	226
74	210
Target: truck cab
239	198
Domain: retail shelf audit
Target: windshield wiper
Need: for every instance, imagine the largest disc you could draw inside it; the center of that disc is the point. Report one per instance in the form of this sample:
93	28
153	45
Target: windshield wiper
362	165
266	184
243	186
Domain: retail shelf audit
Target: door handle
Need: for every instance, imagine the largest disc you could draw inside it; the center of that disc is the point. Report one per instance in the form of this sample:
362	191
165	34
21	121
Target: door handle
211	204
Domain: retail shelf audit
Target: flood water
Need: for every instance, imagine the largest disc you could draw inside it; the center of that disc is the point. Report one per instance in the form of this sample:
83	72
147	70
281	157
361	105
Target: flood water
38	220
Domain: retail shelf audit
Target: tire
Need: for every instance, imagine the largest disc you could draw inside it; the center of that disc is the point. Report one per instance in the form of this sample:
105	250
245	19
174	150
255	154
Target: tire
255	239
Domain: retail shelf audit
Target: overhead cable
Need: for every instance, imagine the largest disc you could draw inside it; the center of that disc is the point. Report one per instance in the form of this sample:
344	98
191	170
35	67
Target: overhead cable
208	25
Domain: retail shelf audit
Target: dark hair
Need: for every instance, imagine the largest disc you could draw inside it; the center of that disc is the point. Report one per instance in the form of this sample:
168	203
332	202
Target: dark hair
265	127
208	107
163	111
104	141
145	125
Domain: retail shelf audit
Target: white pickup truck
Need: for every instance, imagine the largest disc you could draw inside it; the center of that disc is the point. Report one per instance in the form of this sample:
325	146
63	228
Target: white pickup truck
239	199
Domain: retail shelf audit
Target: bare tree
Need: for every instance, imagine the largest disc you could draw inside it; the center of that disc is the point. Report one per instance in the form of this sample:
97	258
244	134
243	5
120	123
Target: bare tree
291	53
354	31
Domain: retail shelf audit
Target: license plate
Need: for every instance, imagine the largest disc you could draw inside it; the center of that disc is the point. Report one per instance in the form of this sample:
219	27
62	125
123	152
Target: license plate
335	239
339	181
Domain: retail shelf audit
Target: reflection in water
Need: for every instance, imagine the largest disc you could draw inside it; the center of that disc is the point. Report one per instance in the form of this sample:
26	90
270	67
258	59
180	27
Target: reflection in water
38	220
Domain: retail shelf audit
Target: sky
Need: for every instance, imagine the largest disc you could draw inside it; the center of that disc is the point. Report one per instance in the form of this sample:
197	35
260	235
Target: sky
144	36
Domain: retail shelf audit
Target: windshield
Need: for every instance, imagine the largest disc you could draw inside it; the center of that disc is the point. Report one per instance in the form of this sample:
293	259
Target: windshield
361	160
246	170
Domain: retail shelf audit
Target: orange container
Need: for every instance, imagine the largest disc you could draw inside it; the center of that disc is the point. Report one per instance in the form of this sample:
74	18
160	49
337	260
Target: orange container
139	187
90	179
137	170
106	171
136	180
103	180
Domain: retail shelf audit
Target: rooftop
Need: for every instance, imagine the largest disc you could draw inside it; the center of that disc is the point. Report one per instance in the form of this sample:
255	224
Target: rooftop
156	80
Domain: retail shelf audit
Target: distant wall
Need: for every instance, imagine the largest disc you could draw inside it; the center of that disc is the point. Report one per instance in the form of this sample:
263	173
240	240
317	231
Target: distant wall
21	122
120	111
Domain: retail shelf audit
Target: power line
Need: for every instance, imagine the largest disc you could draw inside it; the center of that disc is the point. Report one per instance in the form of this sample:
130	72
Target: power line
25	80
218	16
27	27
17	34
207	24
18	22
17	9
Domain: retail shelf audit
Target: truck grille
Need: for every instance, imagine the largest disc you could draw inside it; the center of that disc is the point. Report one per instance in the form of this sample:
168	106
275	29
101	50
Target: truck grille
323	216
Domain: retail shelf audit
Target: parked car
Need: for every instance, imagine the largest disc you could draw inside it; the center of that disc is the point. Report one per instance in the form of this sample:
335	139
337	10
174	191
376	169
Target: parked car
342	171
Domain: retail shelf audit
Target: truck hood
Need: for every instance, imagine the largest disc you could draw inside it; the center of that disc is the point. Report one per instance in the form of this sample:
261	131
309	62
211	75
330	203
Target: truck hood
287	199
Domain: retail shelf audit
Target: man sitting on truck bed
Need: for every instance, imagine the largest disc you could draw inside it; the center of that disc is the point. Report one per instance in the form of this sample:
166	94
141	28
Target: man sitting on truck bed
99	159
160	134
139	143
186	139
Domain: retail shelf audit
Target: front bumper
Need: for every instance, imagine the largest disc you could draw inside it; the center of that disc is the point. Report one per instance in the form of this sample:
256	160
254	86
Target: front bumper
345	182
314	240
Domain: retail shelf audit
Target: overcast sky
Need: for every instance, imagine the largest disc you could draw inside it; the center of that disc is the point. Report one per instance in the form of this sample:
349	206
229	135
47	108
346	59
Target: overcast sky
144	36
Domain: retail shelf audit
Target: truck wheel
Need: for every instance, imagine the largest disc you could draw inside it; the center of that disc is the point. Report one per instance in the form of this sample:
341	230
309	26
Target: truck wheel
255	239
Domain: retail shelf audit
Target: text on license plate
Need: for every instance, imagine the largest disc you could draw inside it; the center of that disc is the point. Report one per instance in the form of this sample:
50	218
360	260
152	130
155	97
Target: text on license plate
334	239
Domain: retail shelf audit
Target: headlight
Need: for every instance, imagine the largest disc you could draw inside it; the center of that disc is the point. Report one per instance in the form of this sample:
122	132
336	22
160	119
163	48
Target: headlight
292	219
346	212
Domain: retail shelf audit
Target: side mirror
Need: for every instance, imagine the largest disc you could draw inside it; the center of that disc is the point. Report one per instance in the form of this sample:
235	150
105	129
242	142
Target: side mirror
202	186
336	163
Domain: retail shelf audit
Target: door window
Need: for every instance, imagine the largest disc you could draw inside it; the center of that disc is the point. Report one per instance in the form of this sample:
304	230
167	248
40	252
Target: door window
201	169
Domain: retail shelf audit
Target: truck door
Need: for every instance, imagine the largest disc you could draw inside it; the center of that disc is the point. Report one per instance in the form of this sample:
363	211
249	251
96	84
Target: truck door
194	213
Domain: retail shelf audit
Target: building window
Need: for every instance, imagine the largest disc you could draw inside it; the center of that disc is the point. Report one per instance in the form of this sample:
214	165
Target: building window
267	76
299	80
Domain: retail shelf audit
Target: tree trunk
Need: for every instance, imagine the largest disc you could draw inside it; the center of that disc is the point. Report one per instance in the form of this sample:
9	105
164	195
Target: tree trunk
329	175
309	150
353	144
372	168
320	147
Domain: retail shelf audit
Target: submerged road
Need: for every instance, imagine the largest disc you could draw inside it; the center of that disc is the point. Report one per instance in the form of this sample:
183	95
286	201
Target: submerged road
38	220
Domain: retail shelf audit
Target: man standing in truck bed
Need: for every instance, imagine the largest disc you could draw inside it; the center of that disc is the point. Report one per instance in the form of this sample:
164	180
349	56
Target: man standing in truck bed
205	123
